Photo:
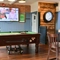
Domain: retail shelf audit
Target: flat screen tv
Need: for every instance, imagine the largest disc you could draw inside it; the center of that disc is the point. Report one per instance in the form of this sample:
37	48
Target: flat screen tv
9	14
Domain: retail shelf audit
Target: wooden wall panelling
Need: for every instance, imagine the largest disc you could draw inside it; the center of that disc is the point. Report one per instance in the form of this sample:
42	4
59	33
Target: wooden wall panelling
44	7
22	8
27	8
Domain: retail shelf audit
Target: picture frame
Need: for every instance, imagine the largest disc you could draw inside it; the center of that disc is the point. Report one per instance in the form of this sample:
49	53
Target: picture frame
22	17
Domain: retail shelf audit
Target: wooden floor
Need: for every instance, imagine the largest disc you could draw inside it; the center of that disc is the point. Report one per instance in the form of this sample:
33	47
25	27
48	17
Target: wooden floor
42	54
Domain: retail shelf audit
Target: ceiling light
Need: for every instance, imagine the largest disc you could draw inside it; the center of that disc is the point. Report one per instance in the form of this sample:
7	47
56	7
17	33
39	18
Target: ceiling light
11	0
22	1
1	0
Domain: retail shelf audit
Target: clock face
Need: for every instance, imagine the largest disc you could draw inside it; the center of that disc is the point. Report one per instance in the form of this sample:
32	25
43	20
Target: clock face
48	16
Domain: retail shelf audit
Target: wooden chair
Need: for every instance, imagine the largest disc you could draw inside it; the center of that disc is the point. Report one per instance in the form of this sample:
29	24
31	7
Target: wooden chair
54	45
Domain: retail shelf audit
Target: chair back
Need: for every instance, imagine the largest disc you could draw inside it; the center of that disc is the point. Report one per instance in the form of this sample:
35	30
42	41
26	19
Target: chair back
52	39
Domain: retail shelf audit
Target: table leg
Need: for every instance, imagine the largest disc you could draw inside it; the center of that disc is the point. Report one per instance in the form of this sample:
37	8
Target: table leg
27	48
36	50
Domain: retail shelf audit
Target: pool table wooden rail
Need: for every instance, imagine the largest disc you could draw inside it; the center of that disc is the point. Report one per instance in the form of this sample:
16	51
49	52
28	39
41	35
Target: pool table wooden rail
20	39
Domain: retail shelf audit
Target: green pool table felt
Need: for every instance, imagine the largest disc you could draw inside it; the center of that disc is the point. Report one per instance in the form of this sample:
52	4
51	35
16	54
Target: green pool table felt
14	33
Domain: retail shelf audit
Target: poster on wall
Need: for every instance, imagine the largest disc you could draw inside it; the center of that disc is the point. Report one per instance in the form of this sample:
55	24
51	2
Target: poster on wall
22	17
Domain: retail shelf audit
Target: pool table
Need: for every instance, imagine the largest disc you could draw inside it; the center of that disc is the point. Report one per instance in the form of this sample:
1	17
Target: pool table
17	38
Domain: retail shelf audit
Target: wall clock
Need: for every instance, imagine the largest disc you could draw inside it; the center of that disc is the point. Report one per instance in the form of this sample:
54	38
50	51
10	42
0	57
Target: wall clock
48	16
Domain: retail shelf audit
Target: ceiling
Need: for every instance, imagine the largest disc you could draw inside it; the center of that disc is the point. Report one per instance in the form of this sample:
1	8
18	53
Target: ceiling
28	2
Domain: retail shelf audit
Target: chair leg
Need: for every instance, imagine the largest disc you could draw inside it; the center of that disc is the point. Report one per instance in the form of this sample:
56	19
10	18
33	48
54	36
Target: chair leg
57	53
48	53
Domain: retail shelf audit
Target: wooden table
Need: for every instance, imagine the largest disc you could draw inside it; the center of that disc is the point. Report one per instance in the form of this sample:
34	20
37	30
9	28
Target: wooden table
20	38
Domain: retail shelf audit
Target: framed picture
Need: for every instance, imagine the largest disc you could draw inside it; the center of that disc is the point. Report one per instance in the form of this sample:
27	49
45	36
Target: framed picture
22	17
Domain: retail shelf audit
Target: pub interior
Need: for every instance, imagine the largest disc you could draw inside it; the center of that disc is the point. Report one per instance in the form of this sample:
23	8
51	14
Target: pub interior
29	29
